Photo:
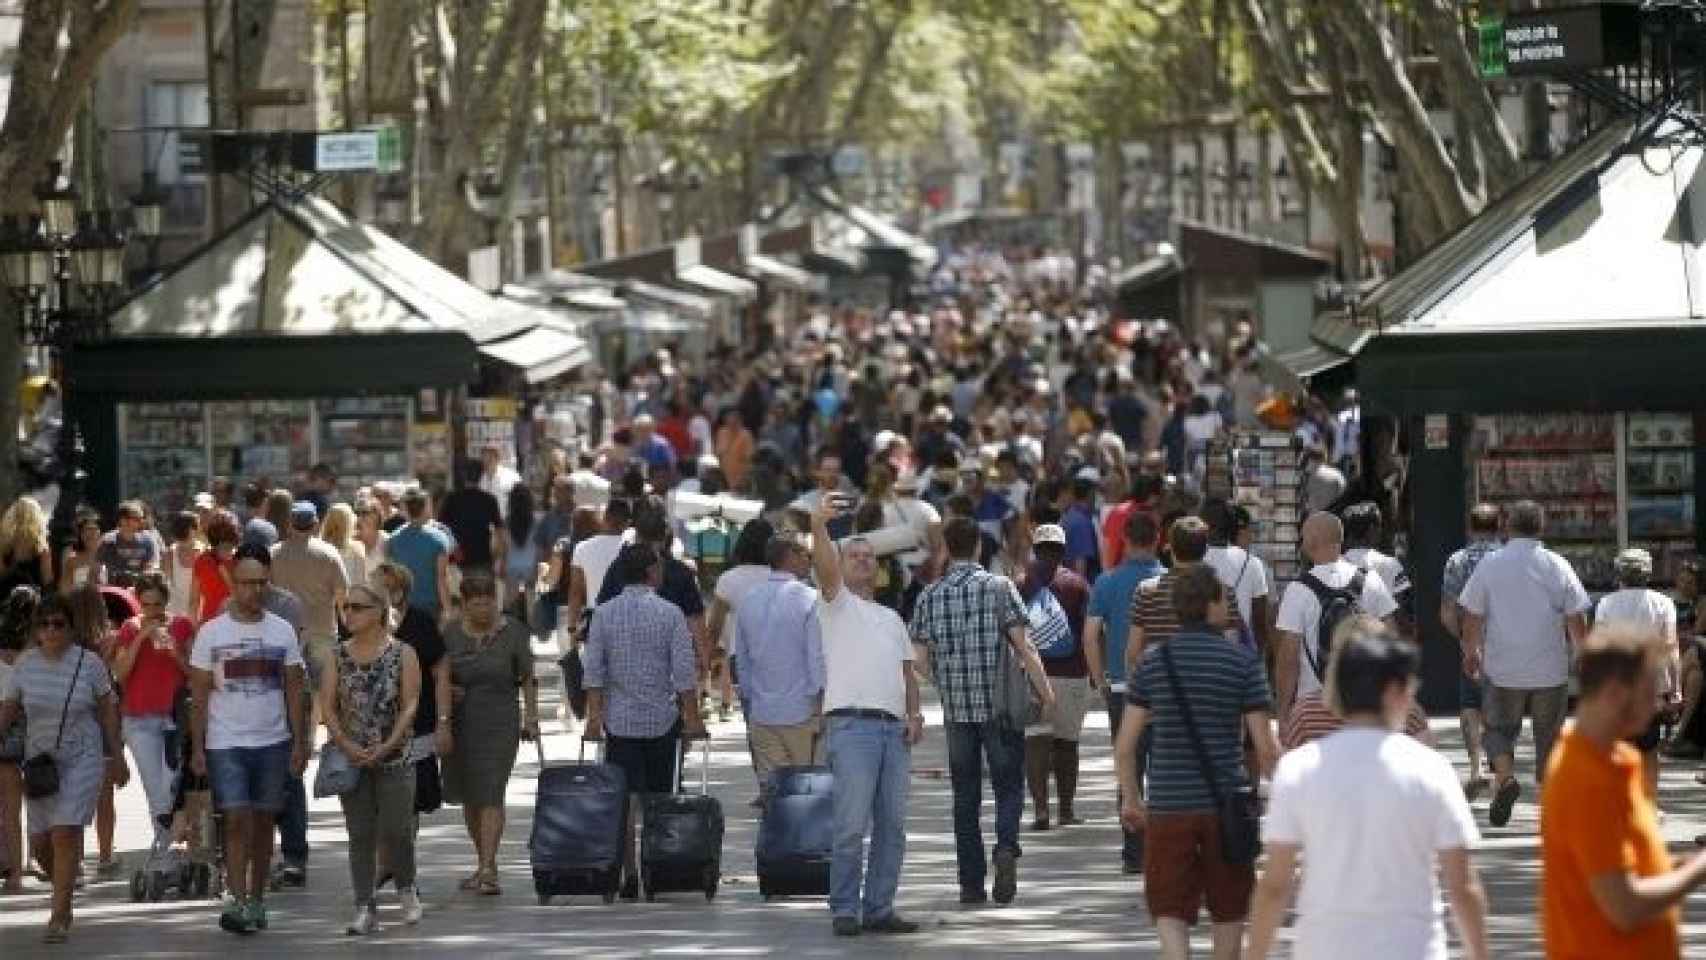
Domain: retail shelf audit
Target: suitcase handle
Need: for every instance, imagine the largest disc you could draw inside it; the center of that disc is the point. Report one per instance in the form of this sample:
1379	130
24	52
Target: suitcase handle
539	750
704	766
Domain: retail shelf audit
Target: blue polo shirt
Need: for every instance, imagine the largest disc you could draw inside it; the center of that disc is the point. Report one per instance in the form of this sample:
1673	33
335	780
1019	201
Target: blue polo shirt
1110	601
1081	540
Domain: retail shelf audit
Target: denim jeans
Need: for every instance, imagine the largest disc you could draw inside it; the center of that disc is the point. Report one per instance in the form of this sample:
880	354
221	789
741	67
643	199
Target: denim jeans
293	824
969	744
873	769
146	737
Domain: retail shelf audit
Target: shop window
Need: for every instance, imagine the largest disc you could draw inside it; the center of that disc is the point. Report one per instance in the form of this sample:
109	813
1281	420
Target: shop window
178	162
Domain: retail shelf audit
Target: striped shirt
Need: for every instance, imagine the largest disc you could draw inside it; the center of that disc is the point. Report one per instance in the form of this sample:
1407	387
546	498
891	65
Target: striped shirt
640	653
1311	719
1152	609
1223	681
962	620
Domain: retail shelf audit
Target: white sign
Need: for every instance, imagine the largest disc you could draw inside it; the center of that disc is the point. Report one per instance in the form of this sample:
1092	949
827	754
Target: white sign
346	151
1436	431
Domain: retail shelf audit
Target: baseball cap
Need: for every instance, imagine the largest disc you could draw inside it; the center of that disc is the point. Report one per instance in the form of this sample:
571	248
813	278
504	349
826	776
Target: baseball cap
1049	533
303	515
260	532
1088	475
203	501
1635	560
941	412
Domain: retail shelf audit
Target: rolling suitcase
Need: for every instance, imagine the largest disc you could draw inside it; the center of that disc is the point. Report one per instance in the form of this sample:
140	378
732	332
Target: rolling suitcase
681	841
797	834
580	819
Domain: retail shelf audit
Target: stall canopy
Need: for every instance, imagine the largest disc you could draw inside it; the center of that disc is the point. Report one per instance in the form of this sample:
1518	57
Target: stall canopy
1585	289
718	282
296	299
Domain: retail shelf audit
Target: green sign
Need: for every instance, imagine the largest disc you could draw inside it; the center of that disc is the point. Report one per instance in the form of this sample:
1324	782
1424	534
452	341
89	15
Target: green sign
1492	49
390	158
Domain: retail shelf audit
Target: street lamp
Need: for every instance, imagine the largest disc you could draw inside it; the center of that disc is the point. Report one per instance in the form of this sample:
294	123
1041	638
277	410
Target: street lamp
61	268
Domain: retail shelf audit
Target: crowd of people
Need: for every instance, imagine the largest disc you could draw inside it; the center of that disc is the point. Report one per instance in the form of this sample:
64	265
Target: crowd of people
1004	499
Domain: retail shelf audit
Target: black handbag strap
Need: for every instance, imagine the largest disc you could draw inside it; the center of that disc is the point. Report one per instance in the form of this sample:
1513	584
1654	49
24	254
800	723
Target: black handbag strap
65	708
1197	747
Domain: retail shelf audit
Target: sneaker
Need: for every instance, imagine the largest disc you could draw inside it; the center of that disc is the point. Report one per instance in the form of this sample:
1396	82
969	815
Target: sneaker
1499	813
108	868
235	917
364	922
1006	875
973	896
409	898
847	926
289	875
892	923
1040	825
257	913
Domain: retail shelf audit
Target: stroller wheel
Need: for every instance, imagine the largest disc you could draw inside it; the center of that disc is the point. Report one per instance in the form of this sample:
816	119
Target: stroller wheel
138	887
186	880
156	887
203	879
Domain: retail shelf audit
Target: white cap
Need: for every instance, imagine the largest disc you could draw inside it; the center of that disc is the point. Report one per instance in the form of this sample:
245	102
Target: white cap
1049	533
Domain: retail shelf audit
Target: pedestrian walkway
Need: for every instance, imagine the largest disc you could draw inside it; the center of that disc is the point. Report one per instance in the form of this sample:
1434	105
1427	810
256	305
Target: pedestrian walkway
1072	896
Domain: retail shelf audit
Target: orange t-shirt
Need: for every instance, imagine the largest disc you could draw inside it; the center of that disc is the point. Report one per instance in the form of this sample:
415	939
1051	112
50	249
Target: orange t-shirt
1595	818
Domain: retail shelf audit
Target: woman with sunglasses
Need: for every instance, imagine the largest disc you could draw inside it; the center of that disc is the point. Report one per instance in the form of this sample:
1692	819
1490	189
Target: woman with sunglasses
369	704
491	657
64	696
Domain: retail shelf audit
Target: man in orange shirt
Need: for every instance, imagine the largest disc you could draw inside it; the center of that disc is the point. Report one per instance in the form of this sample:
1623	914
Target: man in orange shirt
1608	887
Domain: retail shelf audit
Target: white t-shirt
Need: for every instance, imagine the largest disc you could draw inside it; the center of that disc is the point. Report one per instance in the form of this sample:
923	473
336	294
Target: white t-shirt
920	516
594	555
1525	592
864	646
499	483
732	587
1242	572
1390	569
248	662
1300	613
1644	608
1371	809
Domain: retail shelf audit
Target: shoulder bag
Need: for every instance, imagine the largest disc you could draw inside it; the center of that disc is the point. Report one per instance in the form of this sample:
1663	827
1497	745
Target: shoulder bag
336	776
1013	702
1239	812
41	772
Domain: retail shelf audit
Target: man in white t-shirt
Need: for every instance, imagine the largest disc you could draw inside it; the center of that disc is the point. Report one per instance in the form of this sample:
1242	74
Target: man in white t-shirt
1362	531
871	721
250	729
1240	571
1302	652
1524	609
592	557
1653	612
1376	819
497	478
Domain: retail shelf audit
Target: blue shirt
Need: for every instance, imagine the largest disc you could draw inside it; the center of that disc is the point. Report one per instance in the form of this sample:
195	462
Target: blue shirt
1110	601
1081	540
418	548
991	511
779	650
658	453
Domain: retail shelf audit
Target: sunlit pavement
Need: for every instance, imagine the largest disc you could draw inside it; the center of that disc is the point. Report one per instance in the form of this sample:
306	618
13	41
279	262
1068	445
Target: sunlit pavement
1072	896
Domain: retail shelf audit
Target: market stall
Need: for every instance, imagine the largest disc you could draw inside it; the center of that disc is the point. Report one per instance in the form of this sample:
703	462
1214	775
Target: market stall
1548	351
296	337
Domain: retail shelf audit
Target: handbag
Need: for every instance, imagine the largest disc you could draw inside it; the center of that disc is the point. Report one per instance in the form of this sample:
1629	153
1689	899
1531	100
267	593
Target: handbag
336	776
574	681
1012	702
1051	631
1239	812
41	772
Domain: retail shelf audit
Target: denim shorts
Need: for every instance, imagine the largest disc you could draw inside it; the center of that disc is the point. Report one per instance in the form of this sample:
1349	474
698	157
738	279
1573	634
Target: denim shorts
250	778
1469	696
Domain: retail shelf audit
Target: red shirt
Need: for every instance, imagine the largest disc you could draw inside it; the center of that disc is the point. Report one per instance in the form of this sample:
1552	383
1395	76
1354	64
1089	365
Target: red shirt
1113	531
154	676
210	584
674	429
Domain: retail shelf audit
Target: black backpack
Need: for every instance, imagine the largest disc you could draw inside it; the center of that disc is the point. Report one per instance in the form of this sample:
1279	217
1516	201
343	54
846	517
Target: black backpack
1337	606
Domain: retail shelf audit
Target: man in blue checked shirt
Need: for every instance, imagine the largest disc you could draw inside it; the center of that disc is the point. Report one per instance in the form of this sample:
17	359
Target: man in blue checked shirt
642	686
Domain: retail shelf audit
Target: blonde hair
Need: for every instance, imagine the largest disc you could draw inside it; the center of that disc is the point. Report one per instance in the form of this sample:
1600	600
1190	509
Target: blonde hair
23	529
340	523
381	602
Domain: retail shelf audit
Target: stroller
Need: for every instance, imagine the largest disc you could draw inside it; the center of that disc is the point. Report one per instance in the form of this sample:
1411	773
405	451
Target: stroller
199	872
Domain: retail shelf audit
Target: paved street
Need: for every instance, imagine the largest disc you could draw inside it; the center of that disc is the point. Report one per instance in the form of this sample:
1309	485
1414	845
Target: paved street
1072	896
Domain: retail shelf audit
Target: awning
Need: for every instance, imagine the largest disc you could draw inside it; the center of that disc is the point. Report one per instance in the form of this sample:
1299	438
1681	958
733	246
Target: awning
1293	369
540	354
883	233
592	299
785	274
1147	273
716	281
702	308
651	320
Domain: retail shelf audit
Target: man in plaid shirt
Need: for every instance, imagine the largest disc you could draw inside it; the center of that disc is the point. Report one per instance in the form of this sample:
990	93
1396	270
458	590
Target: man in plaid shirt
960	622
642	684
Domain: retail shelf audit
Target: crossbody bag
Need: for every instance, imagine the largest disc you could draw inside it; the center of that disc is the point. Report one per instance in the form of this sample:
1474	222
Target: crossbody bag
41	772
1238	812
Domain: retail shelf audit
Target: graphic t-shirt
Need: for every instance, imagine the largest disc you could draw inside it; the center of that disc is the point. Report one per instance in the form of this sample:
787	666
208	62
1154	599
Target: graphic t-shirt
248	662
126	558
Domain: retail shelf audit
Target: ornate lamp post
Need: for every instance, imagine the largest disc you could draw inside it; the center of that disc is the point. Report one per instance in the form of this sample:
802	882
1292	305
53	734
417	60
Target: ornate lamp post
62	267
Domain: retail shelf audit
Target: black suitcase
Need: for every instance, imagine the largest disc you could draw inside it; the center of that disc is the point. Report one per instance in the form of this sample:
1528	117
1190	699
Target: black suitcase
580	819
681	841
796	837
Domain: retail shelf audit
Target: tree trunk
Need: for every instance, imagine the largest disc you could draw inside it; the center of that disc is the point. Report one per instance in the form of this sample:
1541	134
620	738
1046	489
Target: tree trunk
1471	100
519	124
1419	147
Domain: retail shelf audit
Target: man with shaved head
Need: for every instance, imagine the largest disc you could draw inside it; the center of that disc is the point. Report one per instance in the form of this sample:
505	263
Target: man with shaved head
1301	661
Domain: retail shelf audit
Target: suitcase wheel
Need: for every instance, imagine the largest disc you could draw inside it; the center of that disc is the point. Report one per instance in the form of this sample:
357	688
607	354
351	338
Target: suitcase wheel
711	879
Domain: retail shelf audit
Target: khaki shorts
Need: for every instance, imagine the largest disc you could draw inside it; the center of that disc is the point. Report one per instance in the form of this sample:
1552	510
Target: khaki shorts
1071	703
795	745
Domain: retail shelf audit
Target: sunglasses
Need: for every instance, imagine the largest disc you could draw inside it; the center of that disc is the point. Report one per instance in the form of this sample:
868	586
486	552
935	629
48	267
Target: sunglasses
360	607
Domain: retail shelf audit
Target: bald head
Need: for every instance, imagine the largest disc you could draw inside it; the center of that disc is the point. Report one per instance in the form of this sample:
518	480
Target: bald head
1323	538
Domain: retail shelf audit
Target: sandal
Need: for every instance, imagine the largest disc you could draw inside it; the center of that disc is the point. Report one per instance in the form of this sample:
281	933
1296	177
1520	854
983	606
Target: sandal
56	932
489	886
471	882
